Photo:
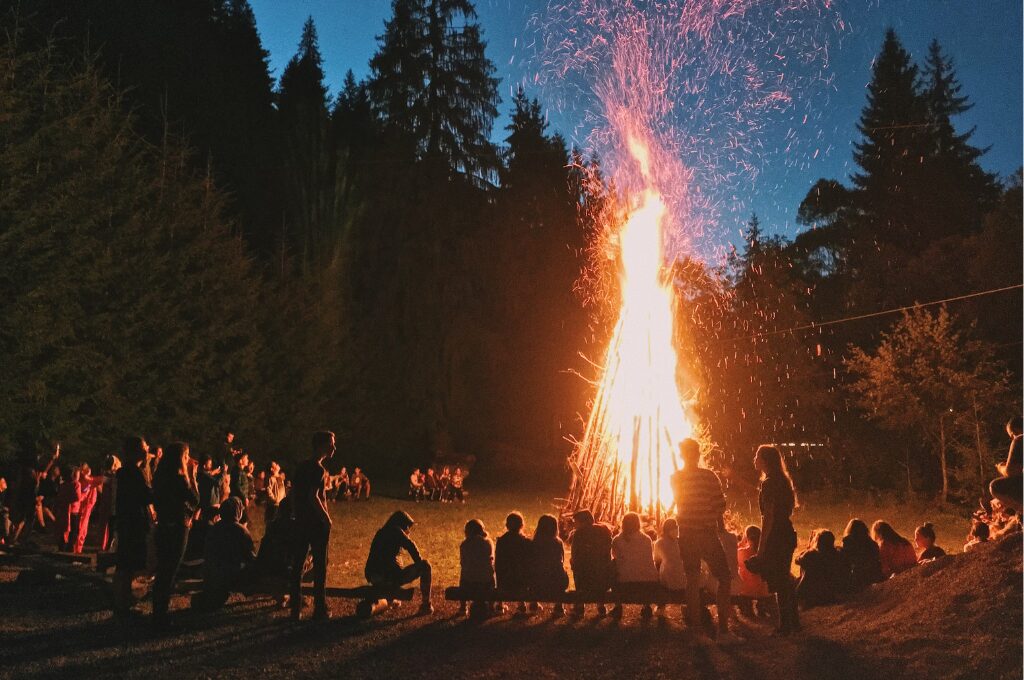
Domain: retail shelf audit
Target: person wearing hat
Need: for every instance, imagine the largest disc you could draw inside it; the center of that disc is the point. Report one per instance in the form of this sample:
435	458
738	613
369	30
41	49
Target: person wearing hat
383	568
312	524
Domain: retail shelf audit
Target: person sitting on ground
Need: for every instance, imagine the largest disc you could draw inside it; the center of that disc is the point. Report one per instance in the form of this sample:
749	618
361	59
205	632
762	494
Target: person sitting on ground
416	485
1007	488
824	576
339	485
227	562
1001	520
751	585
591	559
548	578
700	504
431	489
512	559
383	568
457	481
979	534
359	485
924	539
274	561
894	551
476	562
635	571
861	555
275	493
668	559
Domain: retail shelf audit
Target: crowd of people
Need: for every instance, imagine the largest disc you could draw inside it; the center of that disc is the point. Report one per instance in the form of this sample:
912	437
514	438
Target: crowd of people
199	506
447	487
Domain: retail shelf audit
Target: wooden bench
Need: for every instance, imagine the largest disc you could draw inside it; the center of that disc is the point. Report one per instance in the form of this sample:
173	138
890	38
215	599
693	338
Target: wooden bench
371	599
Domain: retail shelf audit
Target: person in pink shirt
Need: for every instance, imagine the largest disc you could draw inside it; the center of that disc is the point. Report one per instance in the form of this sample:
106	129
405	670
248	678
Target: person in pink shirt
896	552
69	501
91	487
751	585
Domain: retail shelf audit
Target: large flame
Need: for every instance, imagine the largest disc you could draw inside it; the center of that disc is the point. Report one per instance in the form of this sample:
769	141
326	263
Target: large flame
629	449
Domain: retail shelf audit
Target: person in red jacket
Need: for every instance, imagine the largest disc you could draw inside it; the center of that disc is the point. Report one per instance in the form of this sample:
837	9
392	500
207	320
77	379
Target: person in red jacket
895	552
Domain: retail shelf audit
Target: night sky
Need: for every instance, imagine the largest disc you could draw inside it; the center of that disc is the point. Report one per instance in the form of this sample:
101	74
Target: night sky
983	38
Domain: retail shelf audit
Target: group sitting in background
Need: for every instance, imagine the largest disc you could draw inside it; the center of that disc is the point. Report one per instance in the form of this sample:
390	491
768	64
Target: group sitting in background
447	487
349	487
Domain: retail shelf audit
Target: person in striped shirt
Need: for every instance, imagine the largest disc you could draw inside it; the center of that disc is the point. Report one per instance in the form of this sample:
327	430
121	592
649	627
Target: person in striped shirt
699	507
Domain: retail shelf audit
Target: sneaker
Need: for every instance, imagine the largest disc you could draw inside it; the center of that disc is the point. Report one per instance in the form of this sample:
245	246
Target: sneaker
322	615
534	608
464	609
425	609
558	611
662	610
617	611
602	610
521	609
646	612
500	608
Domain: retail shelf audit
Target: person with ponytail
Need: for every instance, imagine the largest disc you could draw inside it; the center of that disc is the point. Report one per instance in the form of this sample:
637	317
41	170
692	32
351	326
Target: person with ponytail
774	557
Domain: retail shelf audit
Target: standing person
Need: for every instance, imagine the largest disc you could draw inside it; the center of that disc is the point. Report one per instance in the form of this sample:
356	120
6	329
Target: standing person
700	504
430	487
774	559
91	488
895	552
635	570
176	497
227	448
133	511
591	559
671	573
312	524
241	484
103	511
5	516
1007	488
383	568
547	557
512	559
27	494
861	555
69	504
416	485
275	494
444	484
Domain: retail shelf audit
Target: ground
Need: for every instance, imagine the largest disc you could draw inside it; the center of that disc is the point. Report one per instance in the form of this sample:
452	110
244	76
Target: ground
913	626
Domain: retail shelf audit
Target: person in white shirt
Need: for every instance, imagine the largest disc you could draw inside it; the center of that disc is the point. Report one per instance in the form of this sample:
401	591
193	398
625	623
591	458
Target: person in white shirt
633	553
671	573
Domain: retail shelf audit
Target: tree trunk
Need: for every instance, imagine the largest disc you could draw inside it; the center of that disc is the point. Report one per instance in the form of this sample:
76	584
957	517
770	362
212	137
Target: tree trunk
942	459
977	440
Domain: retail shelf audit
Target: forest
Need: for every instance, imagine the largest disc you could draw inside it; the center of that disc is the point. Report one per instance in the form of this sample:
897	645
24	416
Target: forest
189	244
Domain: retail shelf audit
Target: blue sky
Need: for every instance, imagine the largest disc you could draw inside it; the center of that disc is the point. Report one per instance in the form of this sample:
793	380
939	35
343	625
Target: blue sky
984	37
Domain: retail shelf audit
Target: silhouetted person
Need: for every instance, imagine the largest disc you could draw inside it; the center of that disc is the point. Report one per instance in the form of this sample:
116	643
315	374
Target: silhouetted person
476	564
312	524
591	559
548	579
133	511
980	533
895	552
924	539
699	507
861	555
274	560
1007	487
275	492
824	576
228	557
512	559
27	493
176	498
774	558
635	571
382	566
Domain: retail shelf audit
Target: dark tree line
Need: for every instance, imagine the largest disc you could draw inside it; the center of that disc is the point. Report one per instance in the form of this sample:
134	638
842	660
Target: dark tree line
188	244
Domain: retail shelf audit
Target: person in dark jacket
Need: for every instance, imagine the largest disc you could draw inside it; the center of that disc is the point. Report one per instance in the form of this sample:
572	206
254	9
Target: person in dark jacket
861	555
824	575
512	559
176	498
312	524
382	566
133	512
924	539
590	559
274	560
228	557
774	557
548	578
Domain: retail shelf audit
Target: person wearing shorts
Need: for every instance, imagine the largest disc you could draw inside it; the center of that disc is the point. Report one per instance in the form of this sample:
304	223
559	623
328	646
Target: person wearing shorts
699	507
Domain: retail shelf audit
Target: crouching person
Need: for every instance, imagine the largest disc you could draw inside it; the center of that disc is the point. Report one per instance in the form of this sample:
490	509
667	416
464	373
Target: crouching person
383	568
228	558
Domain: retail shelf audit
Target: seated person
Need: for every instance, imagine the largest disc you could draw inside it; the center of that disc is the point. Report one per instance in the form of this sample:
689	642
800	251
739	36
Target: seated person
416	484
228	557
274	561
1007	488
476	563
824	577
924	538
751	585
457	480
861	555
979	534
730	545
382	566
591	558
548	579
635	571
669	561
431	489
359	485
895	552
512	559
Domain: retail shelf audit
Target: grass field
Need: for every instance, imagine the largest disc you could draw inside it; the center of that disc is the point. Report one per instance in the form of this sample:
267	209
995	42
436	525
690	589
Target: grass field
64	629
439	528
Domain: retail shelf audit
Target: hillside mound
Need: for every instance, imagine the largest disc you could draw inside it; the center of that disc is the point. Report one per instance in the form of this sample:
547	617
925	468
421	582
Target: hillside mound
957	617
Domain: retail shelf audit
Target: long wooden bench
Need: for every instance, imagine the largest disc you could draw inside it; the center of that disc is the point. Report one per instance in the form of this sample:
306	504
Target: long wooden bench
654	595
